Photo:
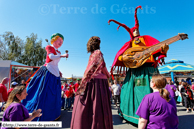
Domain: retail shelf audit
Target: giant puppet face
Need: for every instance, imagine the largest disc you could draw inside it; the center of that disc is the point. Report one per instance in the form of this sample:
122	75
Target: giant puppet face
136	33
57	44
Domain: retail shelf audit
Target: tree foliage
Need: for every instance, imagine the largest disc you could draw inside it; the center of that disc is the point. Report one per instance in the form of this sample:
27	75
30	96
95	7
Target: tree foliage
10	47
29	52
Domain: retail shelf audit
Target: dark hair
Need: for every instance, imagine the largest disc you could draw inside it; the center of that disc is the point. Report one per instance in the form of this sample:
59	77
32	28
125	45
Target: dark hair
185	84
160	83
12	96
93	44
13	86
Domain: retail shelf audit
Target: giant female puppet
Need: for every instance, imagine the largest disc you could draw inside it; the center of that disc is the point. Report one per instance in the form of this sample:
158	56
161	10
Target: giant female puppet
137	81
44	90
92	109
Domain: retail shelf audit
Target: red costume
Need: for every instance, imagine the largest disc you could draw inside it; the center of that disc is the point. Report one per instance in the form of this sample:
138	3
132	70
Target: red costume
3	91
149	41
137	80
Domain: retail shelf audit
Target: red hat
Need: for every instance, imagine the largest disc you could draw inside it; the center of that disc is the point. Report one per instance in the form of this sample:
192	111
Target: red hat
126	27
136	20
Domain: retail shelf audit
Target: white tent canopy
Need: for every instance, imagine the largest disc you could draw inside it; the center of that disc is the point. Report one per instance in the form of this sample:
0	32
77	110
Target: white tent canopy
5	67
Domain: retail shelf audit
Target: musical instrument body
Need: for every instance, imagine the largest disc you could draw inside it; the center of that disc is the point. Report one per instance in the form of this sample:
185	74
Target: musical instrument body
135	57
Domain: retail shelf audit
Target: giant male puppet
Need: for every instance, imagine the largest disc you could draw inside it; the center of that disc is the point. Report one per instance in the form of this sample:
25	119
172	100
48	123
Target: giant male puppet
139	57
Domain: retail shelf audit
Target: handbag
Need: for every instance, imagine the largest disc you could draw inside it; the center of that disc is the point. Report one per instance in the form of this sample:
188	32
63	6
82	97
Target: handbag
179	99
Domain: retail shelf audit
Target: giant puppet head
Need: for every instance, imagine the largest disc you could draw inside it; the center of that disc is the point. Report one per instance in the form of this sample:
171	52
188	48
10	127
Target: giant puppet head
134	32
57	40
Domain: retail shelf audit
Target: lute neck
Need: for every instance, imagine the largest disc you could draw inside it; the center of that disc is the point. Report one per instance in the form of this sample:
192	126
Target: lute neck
167	42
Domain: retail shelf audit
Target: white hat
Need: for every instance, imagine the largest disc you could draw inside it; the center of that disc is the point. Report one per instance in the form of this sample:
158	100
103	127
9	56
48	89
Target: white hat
14	83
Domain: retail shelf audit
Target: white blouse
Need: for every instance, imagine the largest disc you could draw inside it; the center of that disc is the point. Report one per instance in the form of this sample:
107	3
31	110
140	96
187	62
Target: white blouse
53	65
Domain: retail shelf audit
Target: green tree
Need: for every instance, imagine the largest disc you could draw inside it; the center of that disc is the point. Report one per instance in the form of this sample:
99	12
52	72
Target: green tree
30	53
11	47
34	54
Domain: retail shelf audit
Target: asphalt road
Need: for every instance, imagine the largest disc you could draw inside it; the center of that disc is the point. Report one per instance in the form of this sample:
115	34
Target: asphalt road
186	120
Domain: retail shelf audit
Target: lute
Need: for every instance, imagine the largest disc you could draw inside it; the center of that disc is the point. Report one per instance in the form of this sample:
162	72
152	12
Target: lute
137	56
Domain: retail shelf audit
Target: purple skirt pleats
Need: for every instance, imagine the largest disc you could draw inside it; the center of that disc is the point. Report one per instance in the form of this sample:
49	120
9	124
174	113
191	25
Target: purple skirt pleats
93	109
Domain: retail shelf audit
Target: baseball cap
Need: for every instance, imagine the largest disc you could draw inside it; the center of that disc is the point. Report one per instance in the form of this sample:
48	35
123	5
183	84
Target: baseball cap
14	83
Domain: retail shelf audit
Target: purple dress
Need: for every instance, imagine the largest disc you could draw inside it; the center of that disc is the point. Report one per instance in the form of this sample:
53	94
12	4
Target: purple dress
15	112
159	113
170	89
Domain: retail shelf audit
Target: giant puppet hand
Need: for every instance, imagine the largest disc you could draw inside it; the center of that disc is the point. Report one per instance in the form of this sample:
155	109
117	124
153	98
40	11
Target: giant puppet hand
65	55
160	59
164	48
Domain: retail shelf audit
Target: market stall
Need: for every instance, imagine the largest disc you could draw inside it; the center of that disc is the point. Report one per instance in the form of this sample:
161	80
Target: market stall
16	71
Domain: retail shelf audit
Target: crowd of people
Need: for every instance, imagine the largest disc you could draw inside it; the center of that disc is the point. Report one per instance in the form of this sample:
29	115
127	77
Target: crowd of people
182	92
21	75
171	93
68	94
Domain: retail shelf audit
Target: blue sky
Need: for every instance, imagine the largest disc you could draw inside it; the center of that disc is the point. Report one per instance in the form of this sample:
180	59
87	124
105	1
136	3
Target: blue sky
78	20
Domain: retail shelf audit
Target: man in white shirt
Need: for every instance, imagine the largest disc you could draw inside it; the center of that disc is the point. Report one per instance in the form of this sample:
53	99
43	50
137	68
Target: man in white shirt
116	92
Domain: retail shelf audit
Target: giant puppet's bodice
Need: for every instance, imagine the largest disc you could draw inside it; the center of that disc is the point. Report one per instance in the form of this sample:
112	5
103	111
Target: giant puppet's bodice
52	60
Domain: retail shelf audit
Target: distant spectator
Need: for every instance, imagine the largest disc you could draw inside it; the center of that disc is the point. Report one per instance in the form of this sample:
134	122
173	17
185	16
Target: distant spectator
180	87
68	94
71	88
192	87
116	92
63	99
13	85
23	82
188	80
76	85
110	89
3	90
121	84
187	96
171	88
176	82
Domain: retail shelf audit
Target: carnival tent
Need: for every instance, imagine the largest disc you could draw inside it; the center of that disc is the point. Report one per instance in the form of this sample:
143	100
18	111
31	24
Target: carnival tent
175	65
6	68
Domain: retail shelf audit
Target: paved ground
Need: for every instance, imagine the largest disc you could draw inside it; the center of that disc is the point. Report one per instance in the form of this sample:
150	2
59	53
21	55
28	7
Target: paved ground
186	120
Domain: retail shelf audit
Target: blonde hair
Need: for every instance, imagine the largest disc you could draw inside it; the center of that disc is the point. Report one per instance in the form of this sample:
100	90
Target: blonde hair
12	97
160	83
54	39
